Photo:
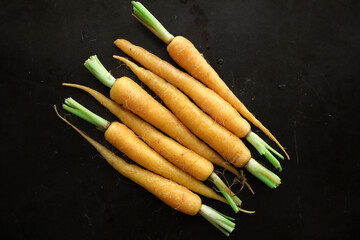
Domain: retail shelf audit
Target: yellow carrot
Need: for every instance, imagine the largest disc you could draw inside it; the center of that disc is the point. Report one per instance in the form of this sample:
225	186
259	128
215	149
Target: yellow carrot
128	143
220	110
171	193
184	53
125	91
224	142
230	147
188	57
180	156
157	115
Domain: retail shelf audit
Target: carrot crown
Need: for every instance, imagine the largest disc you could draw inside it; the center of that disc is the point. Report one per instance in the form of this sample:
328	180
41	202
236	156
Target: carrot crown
149	21
94	65
77	109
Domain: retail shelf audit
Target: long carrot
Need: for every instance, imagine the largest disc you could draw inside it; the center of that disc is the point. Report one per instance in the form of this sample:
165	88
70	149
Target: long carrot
205	98
171	193
219	138
180	156
128	143
126	92
188	57
154	113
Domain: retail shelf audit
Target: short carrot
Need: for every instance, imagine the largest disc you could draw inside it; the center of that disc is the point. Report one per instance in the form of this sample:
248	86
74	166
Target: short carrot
184	53
149	109
180	156
128	143
220	110
171	193
219	138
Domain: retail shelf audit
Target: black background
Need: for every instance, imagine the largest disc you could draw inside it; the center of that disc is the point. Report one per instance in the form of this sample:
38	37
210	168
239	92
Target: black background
295	64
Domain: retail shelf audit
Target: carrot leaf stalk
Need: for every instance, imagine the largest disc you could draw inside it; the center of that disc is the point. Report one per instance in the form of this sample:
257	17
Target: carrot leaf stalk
77	109
264	149
221	186
265	175
228	194
94	65
219	220
149	21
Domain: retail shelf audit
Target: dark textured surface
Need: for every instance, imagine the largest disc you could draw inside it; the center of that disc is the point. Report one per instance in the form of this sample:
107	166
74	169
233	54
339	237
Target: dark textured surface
295	64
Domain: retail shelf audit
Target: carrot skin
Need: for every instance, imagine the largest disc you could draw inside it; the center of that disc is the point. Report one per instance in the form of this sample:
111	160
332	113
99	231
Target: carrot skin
179	155
128	143
171	193
184	53
224	142
220	110
143	105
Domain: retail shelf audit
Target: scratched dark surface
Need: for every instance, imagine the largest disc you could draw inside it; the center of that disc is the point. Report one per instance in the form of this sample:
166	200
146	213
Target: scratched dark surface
295	64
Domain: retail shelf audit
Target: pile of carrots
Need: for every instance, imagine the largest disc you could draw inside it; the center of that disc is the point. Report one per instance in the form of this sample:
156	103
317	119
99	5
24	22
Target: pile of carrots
176	146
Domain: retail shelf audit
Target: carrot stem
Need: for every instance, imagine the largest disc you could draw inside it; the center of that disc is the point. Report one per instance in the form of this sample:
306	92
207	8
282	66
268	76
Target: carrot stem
264	149
221	186
77	109
79	114
94	65
265	175
219	220
149	21
219	183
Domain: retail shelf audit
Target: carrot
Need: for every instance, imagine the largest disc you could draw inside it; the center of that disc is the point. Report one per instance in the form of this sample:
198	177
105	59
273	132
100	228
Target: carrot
221	111
219	138
132	96
127	142
184	53
171	193
180	156
150	110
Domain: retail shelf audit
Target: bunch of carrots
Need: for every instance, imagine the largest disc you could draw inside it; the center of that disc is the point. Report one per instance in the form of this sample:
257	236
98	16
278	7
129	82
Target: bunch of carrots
176	146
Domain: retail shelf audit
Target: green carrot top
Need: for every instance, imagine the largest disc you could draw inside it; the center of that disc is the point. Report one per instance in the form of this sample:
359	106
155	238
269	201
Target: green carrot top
149	21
